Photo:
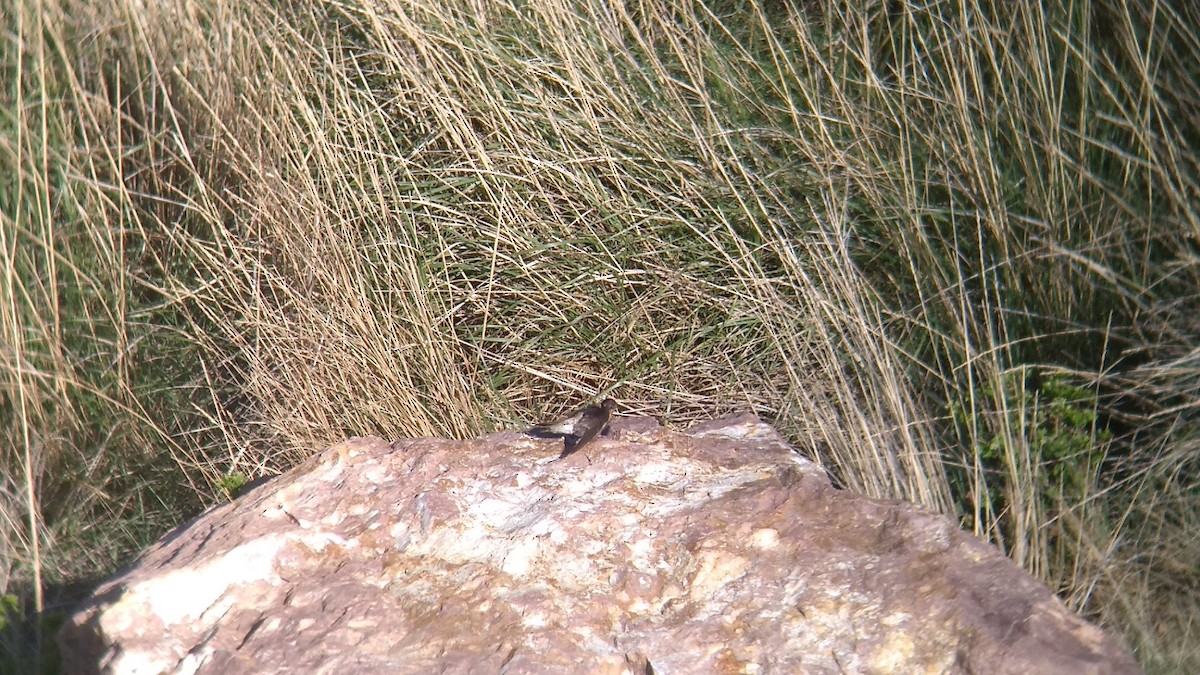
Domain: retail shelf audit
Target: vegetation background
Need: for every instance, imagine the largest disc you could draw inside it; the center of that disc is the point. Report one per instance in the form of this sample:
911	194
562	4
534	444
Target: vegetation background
951	249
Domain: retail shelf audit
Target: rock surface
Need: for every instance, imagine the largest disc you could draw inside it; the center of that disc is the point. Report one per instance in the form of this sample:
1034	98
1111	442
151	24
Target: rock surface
716	550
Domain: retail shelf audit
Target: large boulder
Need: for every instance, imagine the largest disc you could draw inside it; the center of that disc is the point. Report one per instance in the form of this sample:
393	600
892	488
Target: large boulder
714	550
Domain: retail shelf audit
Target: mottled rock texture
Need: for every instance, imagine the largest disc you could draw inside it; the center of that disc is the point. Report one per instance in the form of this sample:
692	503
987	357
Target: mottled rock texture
716	550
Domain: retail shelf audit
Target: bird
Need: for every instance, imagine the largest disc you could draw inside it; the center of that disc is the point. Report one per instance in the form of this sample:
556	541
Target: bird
578	429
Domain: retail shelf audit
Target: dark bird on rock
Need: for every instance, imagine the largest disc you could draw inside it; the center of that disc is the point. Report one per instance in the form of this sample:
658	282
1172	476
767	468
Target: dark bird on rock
578	429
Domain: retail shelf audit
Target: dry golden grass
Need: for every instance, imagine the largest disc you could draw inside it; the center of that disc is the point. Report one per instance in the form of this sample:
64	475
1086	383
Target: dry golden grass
948	250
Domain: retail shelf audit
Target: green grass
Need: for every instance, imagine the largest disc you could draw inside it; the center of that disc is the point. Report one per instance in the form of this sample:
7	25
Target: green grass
949	251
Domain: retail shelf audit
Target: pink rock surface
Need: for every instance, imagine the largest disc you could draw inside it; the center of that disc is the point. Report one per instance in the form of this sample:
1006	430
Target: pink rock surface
716	550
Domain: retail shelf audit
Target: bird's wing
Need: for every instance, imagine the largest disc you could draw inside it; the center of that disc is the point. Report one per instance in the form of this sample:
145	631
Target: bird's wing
597	422
564	426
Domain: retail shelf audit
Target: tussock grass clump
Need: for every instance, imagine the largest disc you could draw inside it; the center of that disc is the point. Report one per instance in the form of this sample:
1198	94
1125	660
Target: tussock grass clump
948	249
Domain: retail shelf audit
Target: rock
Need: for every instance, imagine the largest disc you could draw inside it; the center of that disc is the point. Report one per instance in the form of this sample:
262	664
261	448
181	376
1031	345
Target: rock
716	550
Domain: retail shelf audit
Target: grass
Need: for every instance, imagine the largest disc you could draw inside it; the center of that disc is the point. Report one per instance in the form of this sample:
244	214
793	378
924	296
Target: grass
950	251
